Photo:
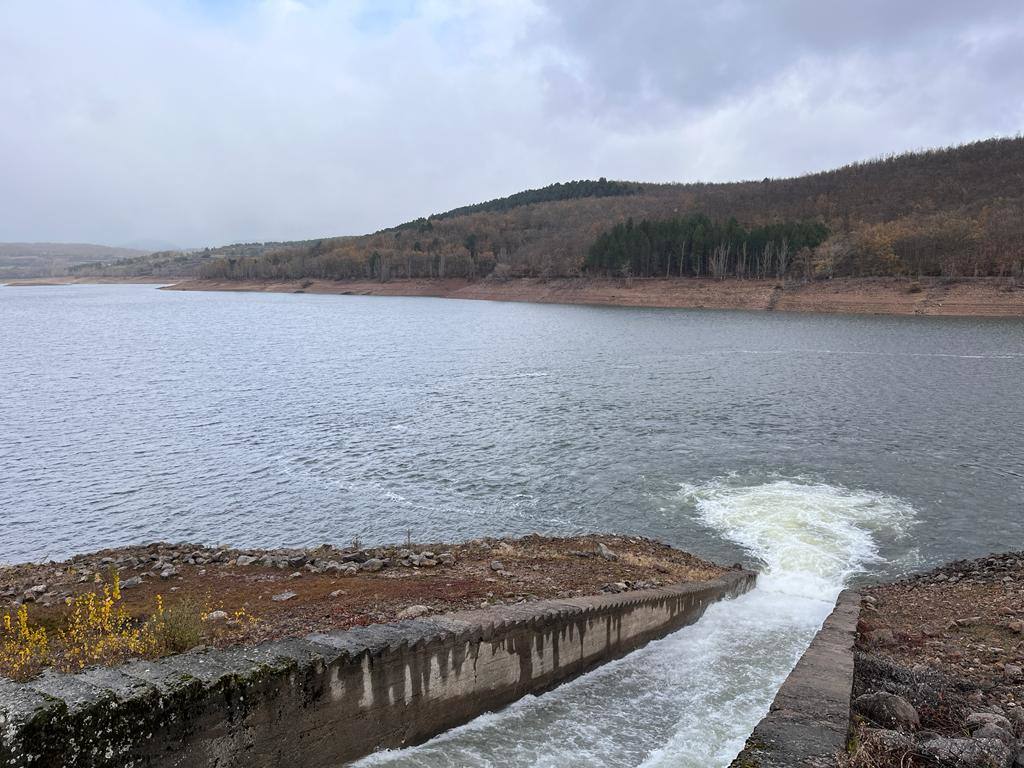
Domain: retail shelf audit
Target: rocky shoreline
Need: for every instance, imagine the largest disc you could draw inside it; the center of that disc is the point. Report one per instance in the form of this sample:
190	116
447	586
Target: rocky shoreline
939	671
253	595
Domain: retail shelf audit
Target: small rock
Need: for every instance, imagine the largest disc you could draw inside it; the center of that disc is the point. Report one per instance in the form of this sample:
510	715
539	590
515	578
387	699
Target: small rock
891	741
168	573
497	565
131	583
372	565
881	636
245	560
446	558
280	597
1016	626
413	612
338	593
216	617
1013	670
888	710
606	553
296	575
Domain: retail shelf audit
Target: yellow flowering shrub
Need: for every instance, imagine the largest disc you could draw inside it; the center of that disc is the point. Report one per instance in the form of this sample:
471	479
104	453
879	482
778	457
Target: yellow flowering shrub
24	650
99	631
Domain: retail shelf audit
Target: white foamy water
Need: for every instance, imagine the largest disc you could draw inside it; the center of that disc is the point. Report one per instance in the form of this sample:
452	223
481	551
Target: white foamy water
691	699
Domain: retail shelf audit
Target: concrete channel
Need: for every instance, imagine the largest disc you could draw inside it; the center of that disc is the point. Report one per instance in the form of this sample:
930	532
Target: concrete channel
331	698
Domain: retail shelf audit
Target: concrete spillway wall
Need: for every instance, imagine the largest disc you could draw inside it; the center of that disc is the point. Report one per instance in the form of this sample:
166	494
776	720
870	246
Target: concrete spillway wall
331	698
809	721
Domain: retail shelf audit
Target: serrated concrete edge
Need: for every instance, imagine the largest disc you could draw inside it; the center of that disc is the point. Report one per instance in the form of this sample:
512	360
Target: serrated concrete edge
330	698
808	723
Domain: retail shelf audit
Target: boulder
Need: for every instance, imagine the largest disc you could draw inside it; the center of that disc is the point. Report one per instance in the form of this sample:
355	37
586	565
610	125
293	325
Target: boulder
497	565
131	583
977	720
245	560
967	753
372	565
887	710
993	731
606	553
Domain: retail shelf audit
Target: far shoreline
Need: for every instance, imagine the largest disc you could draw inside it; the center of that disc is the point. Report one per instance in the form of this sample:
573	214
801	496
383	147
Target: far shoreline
938	297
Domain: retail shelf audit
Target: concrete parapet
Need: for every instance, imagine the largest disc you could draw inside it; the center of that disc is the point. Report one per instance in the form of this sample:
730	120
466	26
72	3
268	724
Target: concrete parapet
331	698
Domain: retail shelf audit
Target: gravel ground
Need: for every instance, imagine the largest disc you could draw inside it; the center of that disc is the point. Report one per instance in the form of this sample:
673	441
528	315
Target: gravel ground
290	593
948	644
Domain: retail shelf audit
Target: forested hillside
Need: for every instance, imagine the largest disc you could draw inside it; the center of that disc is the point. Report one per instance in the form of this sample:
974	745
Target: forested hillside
54	259
951	212
183	263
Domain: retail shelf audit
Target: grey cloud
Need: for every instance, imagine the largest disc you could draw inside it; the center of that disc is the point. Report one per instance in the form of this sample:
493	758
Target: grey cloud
148	120
657	58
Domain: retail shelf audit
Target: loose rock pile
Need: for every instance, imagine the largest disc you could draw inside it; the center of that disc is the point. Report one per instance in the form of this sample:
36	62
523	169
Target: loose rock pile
162	561
939	668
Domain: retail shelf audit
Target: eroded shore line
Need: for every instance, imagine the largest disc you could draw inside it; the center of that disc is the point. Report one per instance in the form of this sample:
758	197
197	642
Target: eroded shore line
980	297
966	297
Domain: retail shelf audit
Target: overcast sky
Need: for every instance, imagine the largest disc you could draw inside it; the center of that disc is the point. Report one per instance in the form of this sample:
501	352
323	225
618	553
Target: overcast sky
204	123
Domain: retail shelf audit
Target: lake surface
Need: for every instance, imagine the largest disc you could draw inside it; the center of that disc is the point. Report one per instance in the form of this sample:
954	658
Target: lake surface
824	449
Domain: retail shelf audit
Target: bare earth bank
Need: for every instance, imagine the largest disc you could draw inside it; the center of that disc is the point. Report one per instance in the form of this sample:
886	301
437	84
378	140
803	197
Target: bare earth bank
982	297
29	282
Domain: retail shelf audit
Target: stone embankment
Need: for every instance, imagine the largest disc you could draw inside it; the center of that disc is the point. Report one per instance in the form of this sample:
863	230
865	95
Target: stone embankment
334	696
940	668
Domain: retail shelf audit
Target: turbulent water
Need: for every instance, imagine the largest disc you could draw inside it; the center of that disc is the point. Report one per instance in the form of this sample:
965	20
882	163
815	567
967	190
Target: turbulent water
821	449
691	699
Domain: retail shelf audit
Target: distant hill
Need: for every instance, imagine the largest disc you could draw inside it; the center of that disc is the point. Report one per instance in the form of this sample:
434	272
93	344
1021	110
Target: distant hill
54	259
185	263
957	211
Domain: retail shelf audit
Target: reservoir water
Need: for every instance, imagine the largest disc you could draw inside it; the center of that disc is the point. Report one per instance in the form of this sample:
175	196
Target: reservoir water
822	449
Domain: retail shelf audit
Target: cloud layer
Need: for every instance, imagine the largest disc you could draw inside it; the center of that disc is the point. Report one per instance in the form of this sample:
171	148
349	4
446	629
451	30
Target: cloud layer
204	123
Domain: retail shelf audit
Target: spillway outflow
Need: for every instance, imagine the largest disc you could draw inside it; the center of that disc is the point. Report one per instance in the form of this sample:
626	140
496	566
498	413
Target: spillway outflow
691	699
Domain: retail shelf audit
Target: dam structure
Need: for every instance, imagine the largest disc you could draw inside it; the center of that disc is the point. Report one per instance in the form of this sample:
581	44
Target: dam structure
332	698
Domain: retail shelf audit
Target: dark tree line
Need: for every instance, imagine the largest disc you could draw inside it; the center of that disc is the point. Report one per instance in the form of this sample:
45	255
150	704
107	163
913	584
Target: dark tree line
697	246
